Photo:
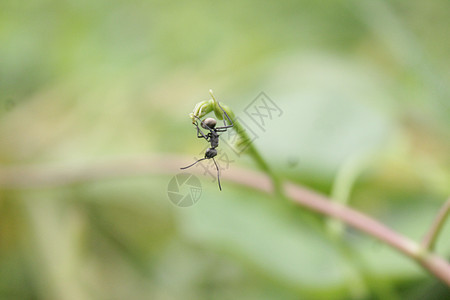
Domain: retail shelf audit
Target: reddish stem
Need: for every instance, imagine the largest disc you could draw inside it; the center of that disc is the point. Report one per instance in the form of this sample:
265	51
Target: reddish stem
43	177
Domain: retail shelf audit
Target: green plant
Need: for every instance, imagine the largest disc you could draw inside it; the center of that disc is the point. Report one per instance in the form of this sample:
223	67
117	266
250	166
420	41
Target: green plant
421	253
243	143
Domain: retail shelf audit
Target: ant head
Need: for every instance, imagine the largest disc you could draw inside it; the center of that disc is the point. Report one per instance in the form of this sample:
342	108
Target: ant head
210	122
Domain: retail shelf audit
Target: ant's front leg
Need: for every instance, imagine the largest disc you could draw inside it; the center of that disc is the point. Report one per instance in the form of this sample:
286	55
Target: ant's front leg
225	127
200	133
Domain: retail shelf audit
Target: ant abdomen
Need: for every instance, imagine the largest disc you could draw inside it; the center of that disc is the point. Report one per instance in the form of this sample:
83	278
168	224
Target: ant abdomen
210	153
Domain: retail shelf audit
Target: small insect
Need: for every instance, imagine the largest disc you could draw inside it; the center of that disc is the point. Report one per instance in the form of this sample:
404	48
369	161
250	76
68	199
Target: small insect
212	137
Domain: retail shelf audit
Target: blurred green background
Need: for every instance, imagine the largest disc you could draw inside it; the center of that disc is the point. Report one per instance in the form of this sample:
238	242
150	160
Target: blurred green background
364	90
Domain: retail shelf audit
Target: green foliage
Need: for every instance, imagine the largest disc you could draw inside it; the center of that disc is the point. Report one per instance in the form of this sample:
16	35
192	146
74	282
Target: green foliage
88	81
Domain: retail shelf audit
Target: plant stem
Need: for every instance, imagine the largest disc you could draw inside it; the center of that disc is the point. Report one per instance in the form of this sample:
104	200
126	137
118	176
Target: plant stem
253	152
44	177
342	186
429	241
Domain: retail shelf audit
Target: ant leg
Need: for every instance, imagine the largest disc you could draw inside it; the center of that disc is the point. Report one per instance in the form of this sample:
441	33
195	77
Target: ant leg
193	163
200	133
218	173
222	129
223	117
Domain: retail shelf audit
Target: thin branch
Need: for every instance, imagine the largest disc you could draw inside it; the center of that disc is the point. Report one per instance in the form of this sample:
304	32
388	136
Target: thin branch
45	177
429	241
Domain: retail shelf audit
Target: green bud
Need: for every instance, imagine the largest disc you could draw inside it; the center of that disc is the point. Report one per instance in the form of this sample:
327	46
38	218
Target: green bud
201	109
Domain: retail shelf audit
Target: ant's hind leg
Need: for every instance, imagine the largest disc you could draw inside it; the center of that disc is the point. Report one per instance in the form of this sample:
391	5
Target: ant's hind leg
193	163
218	173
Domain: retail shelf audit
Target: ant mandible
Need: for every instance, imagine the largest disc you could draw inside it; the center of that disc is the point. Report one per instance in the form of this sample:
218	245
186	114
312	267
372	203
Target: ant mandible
212	137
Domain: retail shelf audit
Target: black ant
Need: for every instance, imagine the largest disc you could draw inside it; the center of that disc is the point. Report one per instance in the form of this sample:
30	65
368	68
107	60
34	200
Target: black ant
212	137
